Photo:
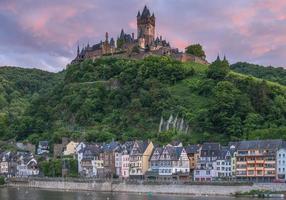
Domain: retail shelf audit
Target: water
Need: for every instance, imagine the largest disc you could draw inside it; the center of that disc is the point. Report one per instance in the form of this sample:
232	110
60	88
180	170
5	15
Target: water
34	194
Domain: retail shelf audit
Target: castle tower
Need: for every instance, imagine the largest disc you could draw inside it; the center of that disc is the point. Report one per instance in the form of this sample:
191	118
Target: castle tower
145	28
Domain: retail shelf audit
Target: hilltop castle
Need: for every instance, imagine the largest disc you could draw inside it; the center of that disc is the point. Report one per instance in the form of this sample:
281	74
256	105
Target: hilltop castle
127	45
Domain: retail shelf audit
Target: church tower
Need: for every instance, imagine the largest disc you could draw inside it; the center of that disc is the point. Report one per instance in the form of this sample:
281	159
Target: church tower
145	28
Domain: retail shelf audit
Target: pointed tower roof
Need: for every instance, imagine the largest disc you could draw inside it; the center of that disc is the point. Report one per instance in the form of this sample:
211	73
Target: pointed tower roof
218	58
112	42
146	12
138	15
122	34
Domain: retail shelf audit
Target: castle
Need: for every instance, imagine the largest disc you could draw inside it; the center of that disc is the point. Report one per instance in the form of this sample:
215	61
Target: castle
128	46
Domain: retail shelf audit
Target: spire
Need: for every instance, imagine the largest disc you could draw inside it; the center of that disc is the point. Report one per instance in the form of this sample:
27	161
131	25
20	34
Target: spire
224	58
106	36
218	58
146	12
138	15
112	42
122	34
78	49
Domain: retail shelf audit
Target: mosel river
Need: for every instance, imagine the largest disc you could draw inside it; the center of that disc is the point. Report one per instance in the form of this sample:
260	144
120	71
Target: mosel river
35	194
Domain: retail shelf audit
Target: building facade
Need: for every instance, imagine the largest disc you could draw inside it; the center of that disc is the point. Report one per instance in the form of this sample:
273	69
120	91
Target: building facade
139	158
256	160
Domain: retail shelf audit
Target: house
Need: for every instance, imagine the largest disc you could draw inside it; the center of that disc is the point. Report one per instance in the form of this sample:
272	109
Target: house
125	153
139	158
91	163
281	163
27	165
256	160
193	152
7	164
108	154
155	162
70	148
174	160
59	148
43	148
223	163
79	152
205	170
118	161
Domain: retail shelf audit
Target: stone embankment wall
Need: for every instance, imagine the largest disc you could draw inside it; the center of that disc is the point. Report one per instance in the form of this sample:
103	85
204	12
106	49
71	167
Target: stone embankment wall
149	188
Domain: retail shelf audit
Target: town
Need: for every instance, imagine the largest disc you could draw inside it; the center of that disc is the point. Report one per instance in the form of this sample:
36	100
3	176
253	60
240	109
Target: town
252	161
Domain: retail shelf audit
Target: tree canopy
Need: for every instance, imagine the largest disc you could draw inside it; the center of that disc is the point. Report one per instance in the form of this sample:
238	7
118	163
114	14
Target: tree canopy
196	50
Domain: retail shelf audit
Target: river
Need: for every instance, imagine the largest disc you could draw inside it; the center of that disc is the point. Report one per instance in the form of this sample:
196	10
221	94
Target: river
35	194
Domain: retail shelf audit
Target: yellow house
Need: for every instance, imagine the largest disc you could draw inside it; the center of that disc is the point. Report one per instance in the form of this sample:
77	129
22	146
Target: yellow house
139	158
70	148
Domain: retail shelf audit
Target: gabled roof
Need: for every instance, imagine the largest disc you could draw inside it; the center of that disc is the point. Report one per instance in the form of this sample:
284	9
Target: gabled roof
174	152
44	143
142	145
158	150
192	149
210	150
110	146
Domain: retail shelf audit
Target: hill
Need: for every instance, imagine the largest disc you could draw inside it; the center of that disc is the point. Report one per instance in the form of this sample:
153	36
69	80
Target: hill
275	74
125	99
18	87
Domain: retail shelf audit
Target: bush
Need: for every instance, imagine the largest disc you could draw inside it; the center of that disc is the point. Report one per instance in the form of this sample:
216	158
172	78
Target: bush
2	180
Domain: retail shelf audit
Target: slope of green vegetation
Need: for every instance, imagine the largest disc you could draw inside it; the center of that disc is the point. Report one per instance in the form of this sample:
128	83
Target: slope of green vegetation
18	87
275	74
125	99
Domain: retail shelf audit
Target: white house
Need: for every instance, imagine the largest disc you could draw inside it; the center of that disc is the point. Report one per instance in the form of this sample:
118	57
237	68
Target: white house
205	169
223	164
125	151
118	161
27	167
79	152
281	164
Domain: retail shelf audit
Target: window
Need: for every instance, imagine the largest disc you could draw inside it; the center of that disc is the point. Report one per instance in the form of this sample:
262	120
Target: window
197	172
208	172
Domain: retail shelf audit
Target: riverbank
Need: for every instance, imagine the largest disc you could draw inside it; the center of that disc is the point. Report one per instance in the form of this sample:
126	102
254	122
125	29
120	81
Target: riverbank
116	186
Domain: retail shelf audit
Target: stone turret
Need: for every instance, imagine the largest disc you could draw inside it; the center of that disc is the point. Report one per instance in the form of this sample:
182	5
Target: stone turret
145	28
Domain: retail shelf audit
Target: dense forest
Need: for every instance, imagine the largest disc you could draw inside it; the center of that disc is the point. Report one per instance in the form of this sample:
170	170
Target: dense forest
276	74
124	99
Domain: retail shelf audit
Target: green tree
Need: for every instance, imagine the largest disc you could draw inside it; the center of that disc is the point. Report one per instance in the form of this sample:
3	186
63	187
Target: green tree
218	69
196	50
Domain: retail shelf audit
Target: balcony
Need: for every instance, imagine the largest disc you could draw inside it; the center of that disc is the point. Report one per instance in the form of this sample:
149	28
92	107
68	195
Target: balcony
250	161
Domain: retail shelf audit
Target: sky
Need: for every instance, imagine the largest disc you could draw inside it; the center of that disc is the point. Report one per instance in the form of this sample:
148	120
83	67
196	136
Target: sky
44	33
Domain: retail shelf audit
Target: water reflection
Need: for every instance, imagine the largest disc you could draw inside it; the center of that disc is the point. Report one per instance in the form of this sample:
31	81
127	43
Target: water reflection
34	194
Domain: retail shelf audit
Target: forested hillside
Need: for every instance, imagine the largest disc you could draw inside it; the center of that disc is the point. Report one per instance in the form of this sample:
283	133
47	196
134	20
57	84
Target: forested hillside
276	74
125	99
18	88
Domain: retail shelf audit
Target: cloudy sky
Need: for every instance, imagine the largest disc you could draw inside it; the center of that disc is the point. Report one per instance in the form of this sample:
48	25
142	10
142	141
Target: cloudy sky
44	33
